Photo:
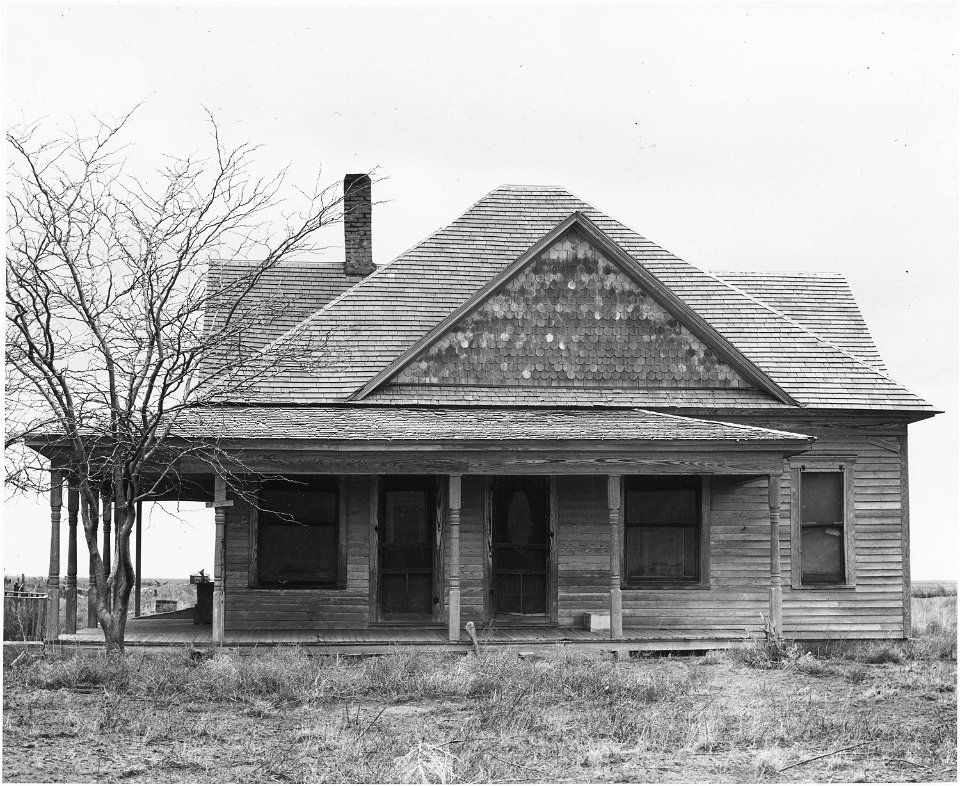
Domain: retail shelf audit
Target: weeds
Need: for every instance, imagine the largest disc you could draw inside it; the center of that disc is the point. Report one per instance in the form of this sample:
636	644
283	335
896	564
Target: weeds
282	714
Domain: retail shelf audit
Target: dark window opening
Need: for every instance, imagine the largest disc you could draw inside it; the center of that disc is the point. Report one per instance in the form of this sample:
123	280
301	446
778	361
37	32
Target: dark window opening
821	528
297	533
662	530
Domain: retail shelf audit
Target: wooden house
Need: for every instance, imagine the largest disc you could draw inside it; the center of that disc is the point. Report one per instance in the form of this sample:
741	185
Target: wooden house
539	421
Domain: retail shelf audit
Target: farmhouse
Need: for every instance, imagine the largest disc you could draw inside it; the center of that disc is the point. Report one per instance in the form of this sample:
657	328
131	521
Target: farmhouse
538	421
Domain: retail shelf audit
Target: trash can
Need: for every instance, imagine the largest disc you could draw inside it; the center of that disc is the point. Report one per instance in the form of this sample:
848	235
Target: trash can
203	611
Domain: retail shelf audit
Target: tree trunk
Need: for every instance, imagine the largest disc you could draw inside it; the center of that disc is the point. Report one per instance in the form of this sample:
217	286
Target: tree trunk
111	589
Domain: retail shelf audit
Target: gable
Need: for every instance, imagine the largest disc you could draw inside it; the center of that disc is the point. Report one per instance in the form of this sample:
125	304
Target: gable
571	317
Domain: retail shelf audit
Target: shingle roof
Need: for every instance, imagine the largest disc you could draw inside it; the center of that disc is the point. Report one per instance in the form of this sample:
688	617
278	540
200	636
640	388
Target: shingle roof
299	288
336	424
467	395
822	302
371	324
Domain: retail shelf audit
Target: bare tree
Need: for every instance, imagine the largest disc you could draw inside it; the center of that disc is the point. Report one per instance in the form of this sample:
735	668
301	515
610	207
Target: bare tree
120	320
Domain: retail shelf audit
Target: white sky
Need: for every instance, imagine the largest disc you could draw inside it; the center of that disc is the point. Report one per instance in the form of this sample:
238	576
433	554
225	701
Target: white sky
773	136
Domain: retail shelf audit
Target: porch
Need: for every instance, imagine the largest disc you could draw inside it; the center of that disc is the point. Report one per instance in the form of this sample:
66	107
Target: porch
147	632
522	532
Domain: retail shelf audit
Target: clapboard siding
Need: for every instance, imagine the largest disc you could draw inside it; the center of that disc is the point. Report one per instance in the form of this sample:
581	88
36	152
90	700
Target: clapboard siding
582	541
320	609
874	606
735	597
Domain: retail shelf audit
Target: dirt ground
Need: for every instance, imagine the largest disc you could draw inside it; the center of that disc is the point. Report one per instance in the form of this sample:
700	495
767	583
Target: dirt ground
701	719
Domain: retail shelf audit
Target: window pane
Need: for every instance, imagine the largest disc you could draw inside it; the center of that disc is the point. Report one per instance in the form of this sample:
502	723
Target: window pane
663	501
406	518
821	497
662	553
526	560
297	542
521	511
407	593
821	554
301	502
521	594
414	558
297	553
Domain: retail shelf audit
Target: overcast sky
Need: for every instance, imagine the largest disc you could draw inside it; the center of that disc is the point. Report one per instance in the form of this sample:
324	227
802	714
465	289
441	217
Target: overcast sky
740	136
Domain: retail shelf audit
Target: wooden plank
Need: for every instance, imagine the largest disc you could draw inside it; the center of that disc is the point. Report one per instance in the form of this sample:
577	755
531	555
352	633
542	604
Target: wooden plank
907	621
553	594
373	515
578	460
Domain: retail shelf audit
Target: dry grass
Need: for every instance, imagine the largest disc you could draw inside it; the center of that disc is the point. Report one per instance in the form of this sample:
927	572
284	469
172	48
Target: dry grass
769	713
283	715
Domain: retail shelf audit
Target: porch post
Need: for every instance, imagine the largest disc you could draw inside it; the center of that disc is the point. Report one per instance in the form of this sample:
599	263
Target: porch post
776	590
107	517
454	502
136	587
53	574
92	621
73	508
220	504
616	596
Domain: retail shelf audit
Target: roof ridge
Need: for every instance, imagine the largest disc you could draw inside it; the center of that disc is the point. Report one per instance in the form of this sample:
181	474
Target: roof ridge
773	273
805	329
742	426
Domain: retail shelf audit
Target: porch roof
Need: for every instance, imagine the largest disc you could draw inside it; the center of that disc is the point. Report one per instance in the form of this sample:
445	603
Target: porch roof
369	423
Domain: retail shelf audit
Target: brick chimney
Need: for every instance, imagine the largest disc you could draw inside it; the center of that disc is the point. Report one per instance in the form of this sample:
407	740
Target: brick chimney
357	228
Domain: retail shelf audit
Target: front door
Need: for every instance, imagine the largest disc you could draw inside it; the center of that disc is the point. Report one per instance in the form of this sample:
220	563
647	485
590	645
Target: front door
406	536
521	545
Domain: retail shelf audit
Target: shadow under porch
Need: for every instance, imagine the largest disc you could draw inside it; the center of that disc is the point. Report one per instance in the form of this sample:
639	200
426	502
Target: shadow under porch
147	632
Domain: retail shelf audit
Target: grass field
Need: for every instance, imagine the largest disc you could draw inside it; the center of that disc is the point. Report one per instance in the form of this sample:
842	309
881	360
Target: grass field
879	712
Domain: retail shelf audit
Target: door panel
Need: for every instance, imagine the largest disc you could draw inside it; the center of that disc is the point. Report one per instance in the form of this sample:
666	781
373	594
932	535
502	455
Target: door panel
521	545
407	529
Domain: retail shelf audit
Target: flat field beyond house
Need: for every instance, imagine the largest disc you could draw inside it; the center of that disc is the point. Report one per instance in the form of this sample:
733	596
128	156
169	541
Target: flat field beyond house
878	712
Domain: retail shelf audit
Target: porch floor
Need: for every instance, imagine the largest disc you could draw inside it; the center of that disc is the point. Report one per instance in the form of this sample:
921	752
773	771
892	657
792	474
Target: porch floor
147	632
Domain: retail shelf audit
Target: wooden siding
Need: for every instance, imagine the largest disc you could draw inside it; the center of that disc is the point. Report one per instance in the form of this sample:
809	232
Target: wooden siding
252	608
873	607
733	598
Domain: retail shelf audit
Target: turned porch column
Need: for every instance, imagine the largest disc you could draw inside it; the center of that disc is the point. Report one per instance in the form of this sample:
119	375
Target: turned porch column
616	595
776	590
454	502
73	509
220	504
53	574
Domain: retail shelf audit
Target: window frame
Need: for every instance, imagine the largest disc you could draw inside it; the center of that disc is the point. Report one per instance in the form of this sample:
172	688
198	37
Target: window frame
253	578
703	543
839	464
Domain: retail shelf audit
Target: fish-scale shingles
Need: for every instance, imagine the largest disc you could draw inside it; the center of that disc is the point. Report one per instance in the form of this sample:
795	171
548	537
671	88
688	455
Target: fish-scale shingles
371	423
371	324
572	318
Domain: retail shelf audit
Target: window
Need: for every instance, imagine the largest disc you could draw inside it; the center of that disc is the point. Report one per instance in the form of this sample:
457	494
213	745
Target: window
298	538
663	530
822	535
